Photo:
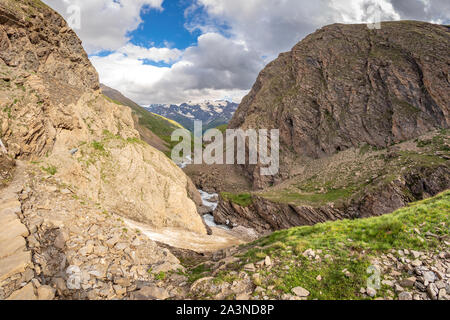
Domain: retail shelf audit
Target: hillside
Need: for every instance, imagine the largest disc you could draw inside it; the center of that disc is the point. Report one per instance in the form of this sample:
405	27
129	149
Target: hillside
346	86
153	129
211	113
363	117
334	260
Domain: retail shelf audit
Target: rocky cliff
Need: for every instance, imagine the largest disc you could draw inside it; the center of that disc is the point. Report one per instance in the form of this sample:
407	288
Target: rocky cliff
54	114
363	117
346	85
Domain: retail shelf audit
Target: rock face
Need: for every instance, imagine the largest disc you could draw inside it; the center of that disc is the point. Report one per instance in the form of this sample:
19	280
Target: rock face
264	215
347	85
54	109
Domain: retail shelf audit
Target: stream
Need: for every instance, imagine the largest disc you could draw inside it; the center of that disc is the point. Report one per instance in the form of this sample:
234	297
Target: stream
221	237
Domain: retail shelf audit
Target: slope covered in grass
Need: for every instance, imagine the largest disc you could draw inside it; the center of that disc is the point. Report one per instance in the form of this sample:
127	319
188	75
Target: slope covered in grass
339	253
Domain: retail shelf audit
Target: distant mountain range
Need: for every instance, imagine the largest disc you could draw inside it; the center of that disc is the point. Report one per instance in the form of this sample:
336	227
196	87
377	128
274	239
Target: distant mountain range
212	113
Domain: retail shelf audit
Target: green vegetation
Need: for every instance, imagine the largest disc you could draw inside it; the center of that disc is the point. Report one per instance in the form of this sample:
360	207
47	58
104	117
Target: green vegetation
332	195
98	146
243	199
112	100
160	276
197	272
439	142
351	173
346	248
222	128
393	230
50	169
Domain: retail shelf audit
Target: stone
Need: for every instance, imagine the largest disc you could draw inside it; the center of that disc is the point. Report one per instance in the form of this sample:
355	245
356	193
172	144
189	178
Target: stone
46	293
100	250
309	253
151	293
429	276
442	295
119	290
371	292
111	242
8	248
432	291
388	283
25	293
16	263
300	292
416	263
408	282
250	267
319	278
86	250
242	296
398	288
11	230
60	285
268	261
405	296
60	241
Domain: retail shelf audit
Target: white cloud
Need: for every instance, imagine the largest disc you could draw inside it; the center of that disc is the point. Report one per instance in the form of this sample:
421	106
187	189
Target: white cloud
215	68
105	23
154	54
218	66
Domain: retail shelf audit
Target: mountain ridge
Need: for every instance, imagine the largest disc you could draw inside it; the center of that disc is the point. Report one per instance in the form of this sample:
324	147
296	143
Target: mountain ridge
211	113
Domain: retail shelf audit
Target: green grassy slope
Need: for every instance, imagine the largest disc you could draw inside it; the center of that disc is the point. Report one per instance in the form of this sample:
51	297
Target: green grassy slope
343	245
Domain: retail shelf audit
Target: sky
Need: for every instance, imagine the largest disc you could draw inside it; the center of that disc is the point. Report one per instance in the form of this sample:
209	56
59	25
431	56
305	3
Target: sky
175	51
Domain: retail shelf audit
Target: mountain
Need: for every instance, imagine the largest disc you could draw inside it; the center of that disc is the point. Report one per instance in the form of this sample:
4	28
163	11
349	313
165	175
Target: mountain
153	129
364	121
346	85
212	113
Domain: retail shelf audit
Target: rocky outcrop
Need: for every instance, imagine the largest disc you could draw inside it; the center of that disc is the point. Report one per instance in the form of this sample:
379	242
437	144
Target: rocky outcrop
56	115
346	85
264	215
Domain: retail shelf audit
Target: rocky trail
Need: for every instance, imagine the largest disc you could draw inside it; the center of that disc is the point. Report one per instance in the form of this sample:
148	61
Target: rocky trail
56	245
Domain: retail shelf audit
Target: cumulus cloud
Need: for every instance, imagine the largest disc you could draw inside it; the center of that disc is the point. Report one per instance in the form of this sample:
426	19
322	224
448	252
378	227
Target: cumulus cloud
237	38
104	23
215	68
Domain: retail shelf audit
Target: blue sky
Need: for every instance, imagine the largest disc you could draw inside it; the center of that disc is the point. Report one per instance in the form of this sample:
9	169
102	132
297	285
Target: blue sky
166	27
174	51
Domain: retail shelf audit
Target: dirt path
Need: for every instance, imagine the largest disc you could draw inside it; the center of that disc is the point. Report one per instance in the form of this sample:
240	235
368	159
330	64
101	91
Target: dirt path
179	238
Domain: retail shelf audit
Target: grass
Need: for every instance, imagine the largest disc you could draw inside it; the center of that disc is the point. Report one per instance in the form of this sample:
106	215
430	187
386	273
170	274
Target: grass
243	199
51	170
222	128
197	272
344	245
378	233
160	276
99	146
317	199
